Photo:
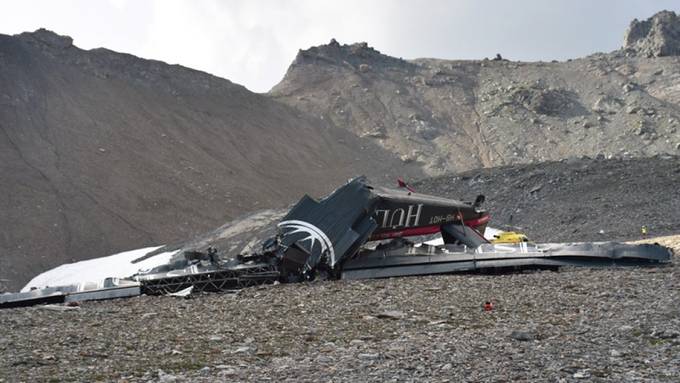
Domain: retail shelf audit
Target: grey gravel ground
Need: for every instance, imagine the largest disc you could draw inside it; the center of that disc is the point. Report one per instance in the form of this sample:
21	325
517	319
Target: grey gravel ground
615	325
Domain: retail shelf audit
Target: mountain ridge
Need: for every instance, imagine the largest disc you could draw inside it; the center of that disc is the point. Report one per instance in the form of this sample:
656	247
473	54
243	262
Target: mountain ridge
454	115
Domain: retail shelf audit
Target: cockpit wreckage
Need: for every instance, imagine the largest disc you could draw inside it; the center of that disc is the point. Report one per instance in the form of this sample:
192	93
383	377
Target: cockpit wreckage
358	232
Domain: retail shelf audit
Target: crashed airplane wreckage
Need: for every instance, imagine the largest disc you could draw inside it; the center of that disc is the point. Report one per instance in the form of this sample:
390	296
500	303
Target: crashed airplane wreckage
359	232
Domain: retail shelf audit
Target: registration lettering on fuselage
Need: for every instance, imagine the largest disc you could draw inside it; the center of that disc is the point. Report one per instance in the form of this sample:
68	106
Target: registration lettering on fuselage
400	217
437	219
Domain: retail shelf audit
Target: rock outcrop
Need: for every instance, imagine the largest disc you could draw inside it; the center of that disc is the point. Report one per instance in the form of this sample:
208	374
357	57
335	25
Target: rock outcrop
655	37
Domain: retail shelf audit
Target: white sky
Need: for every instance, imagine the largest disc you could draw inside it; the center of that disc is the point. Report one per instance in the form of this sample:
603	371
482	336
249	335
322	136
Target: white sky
252	42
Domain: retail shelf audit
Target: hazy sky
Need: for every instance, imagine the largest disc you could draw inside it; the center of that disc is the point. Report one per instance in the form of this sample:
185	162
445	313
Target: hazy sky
252	42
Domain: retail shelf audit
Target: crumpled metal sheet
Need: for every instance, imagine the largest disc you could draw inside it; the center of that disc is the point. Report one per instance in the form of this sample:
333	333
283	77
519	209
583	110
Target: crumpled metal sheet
407	261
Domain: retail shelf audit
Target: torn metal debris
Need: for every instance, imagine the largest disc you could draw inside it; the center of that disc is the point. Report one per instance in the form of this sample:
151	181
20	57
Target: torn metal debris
408	260
110	288
357	232
315	239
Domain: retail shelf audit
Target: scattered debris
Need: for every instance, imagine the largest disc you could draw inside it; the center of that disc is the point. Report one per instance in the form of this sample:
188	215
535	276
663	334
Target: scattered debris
53	307
184	293
358	232
108	289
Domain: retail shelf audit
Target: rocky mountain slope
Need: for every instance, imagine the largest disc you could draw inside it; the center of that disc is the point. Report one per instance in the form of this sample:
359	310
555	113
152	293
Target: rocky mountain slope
574	200
102	152
452	115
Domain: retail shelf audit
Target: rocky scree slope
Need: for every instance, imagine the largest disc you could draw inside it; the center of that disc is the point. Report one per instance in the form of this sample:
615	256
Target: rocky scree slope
580	324
453	115
574	200
102	152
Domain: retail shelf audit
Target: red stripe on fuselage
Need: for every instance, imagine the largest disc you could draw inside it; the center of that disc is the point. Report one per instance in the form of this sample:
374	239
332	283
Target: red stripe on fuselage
425	230
478	221
409	232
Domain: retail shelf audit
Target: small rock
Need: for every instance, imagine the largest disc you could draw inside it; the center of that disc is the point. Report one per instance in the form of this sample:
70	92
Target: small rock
228	372
522	336
615	353
666	334
583	374
242	349
392	314
405	158
374	134
632	109
166	378
368	356
606	104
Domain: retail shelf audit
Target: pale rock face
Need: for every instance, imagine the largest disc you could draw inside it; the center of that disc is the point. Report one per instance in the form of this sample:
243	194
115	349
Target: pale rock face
455	115
655	37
